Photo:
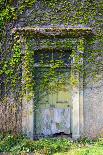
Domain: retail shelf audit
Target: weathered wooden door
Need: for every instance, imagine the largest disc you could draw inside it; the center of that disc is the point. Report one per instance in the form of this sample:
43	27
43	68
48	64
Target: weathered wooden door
53	110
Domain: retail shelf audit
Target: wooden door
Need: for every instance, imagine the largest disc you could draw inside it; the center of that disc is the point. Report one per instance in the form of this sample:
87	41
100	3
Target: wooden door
53	113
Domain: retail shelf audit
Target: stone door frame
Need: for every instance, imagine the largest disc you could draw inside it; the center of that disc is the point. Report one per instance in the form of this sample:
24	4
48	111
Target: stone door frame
77	91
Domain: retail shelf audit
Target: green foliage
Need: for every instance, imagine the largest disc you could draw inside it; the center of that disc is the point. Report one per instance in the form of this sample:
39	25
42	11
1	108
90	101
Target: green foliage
11	57
18	144
8	141
61	12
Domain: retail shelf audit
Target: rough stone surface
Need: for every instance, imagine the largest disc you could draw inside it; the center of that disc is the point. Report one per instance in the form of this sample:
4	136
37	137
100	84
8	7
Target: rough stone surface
91	123
93	110
43	15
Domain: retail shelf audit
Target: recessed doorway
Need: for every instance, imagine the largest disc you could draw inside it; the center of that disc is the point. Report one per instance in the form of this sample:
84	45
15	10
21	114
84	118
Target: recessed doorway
53	98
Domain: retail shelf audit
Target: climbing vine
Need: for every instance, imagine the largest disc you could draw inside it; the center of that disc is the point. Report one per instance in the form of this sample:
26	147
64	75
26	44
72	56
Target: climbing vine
29	28
58	13
10	12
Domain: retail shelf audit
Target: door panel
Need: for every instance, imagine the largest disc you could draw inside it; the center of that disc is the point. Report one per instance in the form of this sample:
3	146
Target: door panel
53	112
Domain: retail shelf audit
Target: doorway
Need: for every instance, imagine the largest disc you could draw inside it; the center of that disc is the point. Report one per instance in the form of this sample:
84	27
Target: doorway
53	99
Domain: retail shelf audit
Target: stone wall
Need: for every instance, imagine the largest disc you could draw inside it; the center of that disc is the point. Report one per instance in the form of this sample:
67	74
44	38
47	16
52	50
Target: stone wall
65	13
80	14
93	110
10	116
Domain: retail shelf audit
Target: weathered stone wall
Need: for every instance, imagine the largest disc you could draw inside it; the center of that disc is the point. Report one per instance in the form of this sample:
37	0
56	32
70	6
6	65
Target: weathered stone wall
93	110
82	14
10	116
70	13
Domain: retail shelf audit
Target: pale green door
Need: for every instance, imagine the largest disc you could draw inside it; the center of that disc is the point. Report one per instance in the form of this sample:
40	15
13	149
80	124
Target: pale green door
53	110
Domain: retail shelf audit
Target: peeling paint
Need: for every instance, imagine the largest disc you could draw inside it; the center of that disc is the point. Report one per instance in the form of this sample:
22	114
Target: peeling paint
54	116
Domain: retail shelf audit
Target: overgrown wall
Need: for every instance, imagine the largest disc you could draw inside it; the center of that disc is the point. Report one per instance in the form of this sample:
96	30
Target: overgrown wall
85	13
81	14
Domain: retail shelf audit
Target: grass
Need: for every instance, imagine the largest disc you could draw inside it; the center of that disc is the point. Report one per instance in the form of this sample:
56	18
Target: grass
20	145
83	151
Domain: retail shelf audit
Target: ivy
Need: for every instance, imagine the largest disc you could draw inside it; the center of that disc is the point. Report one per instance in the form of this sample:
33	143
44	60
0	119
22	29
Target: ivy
63	12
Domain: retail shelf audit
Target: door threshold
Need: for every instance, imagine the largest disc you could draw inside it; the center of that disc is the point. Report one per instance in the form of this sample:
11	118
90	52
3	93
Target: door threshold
56	135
